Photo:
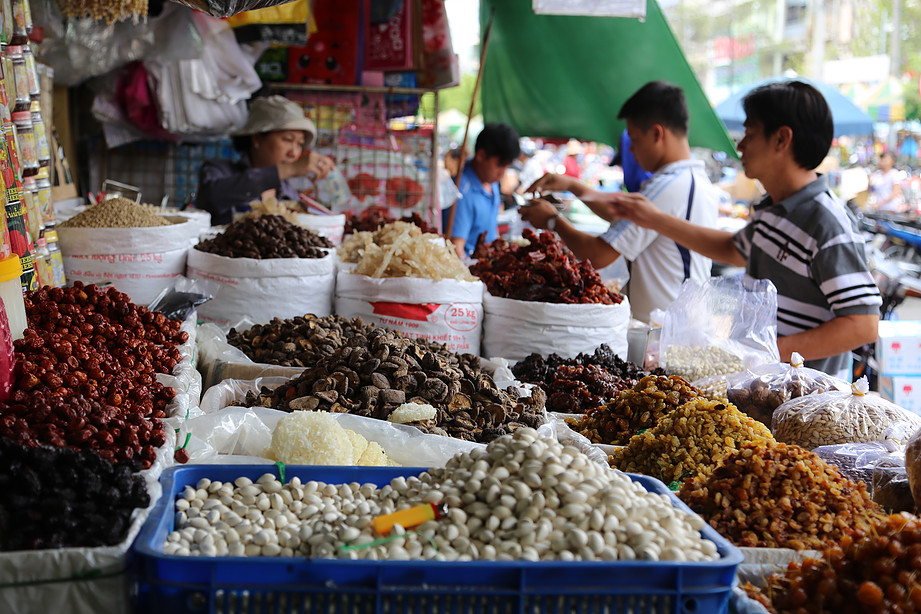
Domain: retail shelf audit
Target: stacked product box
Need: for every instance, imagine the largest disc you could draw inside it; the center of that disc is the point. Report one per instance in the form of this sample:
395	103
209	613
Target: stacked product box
898	351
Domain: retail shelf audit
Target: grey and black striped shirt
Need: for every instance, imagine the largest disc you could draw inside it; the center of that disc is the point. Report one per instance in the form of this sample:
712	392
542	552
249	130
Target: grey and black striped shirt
809	246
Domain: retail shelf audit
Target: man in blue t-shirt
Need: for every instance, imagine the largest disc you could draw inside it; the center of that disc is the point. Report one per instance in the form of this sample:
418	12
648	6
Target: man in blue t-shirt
477	209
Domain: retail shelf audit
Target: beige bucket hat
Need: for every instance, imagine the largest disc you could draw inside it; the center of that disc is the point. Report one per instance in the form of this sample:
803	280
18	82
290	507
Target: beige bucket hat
276	113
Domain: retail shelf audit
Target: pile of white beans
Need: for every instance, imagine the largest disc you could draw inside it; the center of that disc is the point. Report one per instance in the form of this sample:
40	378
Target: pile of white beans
522	497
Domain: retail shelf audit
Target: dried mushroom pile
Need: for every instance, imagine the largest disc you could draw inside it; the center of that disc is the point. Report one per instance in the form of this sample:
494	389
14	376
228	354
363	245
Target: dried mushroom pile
269	236
544	270
689	440
772	495
303	340
373	374
634	410
576	385
117	213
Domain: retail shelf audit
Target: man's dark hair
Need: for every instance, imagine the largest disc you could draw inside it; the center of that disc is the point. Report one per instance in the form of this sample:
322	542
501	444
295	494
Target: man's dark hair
657	102
499	140
803	109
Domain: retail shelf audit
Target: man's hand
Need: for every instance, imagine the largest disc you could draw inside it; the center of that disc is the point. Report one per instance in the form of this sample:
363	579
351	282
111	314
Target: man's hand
538	213
554	183
635	208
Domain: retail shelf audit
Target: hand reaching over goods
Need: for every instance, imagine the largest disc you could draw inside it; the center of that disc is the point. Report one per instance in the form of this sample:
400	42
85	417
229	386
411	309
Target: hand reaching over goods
634	410
400	249
544	270
117	213
523	497
58	497
303	340
771	495
688	441
268	236
841	417
874	571
575	385
375	374
316	438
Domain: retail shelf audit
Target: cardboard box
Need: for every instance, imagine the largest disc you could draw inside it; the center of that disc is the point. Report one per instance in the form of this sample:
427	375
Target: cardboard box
898	349
903	390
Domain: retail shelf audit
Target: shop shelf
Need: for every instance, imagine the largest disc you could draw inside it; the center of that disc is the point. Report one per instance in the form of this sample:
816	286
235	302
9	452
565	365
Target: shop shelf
263	585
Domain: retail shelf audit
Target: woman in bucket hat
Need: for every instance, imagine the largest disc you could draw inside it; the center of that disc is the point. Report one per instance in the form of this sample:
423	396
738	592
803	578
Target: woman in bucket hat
274	144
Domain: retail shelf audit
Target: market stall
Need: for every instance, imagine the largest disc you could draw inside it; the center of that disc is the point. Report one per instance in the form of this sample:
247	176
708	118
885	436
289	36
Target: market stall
284	414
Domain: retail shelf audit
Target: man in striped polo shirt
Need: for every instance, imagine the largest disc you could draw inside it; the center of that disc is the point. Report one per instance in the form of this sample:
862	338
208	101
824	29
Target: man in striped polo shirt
800	237
657	124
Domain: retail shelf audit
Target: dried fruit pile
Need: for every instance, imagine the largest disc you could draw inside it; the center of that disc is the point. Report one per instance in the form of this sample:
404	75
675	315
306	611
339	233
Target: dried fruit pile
544	270
375	216
303	340
576	385
268	236
773	495
689	440
634	410
85	374
876	571
372	375
57	497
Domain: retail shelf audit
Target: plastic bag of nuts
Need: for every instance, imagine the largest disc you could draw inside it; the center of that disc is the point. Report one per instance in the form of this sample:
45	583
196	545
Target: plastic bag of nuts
761	390
840	417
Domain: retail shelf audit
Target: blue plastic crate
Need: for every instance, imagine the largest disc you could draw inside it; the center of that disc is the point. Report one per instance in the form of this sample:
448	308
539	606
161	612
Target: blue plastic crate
250	585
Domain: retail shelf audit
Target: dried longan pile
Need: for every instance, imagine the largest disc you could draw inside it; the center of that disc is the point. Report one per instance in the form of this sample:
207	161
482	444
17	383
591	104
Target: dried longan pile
875	572
772	495
689	440
634	410
108	11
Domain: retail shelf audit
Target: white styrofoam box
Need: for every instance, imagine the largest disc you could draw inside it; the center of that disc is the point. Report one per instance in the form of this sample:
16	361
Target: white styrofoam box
898	348
903	390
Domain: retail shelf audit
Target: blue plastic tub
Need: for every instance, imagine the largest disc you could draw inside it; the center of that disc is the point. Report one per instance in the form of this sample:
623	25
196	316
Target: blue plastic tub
250	585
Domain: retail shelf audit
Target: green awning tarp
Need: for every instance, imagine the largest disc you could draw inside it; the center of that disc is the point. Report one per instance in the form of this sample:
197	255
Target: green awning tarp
562	77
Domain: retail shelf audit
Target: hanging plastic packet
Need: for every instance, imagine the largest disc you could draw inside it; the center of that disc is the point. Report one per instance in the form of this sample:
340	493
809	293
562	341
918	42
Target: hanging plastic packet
178	301
334	190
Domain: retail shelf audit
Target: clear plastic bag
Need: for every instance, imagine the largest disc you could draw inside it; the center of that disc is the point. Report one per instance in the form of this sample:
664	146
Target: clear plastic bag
857	461
841	417
913	465
226	8
762	389
722	325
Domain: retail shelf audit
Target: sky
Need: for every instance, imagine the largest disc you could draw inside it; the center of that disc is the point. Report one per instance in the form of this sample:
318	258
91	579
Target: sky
464	21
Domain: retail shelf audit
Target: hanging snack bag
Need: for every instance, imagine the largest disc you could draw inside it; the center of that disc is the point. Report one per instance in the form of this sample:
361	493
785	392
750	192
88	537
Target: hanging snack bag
840	417
722	325
762	389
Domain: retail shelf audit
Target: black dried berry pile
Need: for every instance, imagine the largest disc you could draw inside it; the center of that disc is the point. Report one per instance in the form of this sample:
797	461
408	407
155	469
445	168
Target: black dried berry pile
576	385
58	497
268	236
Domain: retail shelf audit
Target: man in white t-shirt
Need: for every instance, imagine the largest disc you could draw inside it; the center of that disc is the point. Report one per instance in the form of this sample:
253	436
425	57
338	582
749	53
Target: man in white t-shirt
657	123
885	186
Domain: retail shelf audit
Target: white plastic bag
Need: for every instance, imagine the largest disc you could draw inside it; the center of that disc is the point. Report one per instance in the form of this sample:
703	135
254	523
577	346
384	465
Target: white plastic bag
514	329
219	361
722	325
262	289
447	311
330	226
140	262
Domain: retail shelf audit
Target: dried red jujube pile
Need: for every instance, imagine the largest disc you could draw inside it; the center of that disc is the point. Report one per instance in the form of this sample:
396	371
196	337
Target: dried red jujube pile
544	271
85	374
